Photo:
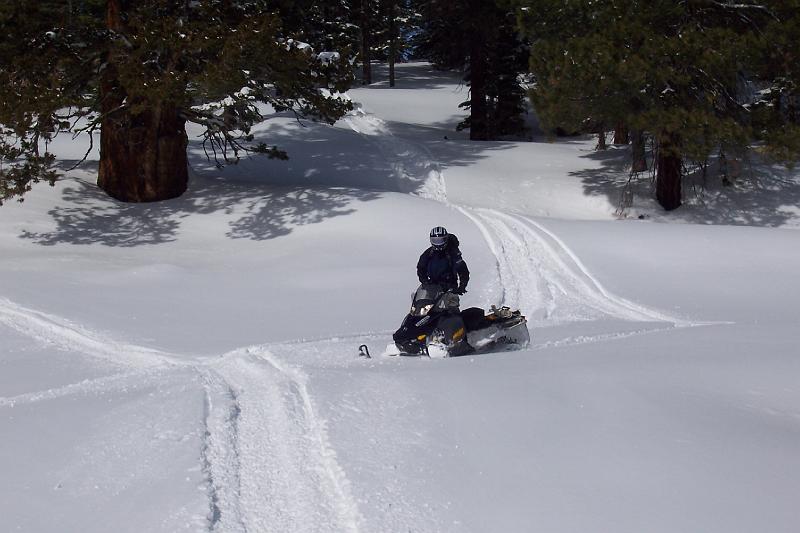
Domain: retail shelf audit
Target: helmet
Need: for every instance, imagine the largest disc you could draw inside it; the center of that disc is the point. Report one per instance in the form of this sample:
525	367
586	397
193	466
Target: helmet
438	237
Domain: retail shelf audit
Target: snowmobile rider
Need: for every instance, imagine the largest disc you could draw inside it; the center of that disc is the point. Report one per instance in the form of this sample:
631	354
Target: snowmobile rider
442	262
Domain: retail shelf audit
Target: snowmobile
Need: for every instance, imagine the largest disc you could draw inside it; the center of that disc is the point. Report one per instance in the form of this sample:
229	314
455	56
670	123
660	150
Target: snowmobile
436	327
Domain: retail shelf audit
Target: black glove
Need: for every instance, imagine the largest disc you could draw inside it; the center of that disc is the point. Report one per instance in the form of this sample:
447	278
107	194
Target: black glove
460	291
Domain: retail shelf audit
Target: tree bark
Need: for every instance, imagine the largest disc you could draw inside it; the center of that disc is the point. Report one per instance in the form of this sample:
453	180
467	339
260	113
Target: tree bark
620	133
601	138
478	129
142	156
638	157
366	66
392	40
668	173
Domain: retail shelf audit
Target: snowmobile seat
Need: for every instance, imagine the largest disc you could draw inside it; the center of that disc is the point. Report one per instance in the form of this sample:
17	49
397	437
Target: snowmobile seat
474	318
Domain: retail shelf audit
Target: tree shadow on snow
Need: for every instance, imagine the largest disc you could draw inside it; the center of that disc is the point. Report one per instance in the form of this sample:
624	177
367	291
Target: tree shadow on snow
413	75
763	194
395	157
328	171
447	147
274	214
92	217
260	213
319	156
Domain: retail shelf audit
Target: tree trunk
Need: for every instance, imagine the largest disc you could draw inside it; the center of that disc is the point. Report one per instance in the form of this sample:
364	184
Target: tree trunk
478	129
142	156
668	174
620	133
601	138
366	66
392	40
638	157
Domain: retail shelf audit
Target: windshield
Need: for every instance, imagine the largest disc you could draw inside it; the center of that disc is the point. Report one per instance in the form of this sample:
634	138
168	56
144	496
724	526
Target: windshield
427	291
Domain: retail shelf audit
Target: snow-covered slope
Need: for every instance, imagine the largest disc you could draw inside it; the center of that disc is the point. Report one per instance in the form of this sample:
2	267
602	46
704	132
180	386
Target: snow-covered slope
192	365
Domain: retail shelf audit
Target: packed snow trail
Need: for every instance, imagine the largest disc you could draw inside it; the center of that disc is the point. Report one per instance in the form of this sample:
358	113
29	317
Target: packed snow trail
541	276
269	464
221	454
537	272
63	334
286	470
126	381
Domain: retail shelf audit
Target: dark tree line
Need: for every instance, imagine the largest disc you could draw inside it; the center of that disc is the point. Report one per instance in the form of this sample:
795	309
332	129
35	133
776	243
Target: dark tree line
138	71
481	38
693	76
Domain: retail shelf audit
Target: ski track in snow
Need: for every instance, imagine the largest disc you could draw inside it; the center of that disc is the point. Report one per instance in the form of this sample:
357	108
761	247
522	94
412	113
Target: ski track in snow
220	454
602	337
63	334
266	454
123	382
538	273
285	468
541	276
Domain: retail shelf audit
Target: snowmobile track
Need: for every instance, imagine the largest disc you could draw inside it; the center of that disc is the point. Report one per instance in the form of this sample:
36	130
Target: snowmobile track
568	259
61	333
266	455
274	446
540	275
537	272
125	381
220	454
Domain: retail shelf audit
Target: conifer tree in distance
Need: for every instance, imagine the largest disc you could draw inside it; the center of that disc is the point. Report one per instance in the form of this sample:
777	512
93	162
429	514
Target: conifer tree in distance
479	37
665	67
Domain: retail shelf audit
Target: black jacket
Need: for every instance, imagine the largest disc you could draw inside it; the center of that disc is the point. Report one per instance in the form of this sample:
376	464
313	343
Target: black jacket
445	267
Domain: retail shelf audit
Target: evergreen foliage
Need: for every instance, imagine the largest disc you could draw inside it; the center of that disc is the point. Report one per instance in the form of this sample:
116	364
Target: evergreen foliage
397	22
684	71
776	65
480	38
383	29
90	64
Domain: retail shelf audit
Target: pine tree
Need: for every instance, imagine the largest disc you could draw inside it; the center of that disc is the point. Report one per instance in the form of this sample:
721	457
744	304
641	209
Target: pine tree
138	71
776	66
327	26
382	28
479	37
391	42
394	22
508	56
668	68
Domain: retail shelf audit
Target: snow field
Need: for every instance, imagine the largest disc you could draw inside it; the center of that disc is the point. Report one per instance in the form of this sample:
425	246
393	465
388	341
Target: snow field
193	365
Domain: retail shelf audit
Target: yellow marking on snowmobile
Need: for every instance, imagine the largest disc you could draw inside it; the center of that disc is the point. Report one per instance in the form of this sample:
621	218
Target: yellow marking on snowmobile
458	334
421	337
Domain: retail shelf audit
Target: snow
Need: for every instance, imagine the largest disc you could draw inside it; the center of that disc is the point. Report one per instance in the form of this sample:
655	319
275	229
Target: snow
193	365
328	57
